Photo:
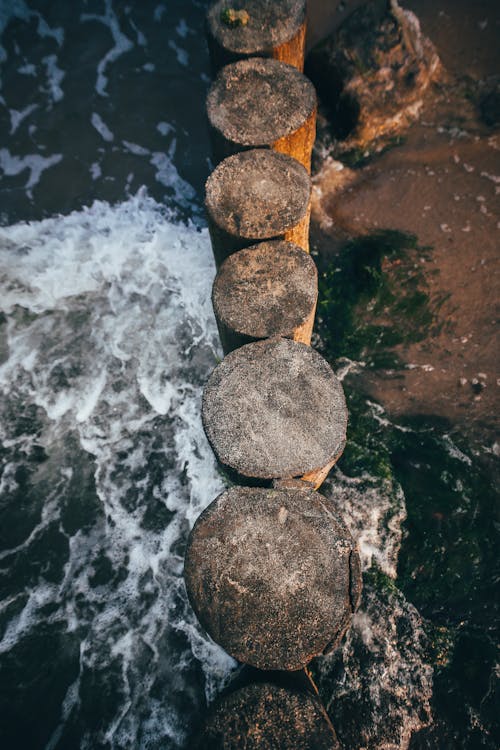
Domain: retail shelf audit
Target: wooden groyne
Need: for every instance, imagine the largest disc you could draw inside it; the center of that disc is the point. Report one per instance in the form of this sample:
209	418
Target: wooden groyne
265	715
257	195
262	103
257	28
266	290
270	569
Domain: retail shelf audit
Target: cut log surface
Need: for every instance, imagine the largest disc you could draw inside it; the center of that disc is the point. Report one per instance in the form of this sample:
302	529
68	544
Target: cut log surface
269	29
262	102
266	290
257	195
264	716
273	575
275	409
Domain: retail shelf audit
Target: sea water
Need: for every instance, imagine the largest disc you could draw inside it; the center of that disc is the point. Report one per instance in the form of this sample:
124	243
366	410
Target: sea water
107	336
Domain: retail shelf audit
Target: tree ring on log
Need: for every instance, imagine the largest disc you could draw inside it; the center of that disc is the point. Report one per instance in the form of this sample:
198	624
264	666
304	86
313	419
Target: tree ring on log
258	194
262	102
275	409
264	715
269	574
270	24
265	290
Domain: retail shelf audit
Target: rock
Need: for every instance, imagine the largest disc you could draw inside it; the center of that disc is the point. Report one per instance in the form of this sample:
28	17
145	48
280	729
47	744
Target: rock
372	74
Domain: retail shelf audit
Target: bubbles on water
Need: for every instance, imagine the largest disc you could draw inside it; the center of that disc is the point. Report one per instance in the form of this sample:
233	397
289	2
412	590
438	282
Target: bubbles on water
121	43
377	689
110	338
374	511
378	686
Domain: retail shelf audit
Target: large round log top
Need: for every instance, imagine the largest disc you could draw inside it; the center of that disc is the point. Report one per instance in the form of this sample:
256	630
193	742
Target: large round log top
258	194
266	290
255	102
269	24
264	716
274	409
270	575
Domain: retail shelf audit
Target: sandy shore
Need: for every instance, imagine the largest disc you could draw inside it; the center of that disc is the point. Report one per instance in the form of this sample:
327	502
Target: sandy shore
441	184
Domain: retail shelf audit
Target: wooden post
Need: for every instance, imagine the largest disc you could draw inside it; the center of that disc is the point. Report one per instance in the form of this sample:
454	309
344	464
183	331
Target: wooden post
265	290
264	103
273	575
274	409
238	29
257	195
265	715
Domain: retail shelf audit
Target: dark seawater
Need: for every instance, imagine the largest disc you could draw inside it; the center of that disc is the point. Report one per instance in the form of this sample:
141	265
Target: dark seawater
106	338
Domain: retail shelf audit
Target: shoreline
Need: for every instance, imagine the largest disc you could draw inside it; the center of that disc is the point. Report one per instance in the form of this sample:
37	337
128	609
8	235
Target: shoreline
441	185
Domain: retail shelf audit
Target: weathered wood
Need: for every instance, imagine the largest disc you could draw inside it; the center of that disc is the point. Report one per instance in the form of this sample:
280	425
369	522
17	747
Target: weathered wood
262	103
257	195
275	409
264	716
265	290
273	575
266	29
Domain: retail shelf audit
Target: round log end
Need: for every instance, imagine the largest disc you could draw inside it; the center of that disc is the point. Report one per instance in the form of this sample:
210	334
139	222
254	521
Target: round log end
274	409
266	290
264	715
266	25
258	194
269	575
256	102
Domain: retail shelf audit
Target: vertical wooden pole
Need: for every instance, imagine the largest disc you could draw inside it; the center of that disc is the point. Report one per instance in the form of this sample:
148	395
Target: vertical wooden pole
257	195
265	290
262	103
253	28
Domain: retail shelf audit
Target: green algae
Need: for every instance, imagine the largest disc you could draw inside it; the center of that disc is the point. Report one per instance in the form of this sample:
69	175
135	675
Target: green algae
374	296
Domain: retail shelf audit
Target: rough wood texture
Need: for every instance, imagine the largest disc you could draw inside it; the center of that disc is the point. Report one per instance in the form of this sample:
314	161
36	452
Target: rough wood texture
264	716
257	195
265	103
275	409
273	575
274	29
266	290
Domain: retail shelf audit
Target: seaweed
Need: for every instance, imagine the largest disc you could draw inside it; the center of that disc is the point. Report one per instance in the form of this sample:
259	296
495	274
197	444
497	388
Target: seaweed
373	297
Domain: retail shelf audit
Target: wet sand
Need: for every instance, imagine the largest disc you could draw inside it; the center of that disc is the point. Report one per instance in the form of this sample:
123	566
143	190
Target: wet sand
441	184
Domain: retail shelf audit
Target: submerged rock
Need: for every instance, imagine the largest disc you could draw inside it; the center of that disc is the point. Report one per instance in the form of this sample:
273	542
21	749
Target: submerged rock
372	74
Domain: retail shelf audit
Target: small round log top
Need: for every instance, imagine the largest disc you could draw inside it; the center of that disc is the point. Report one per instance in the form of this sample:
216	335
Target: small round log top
269	573
263	716
258	194
266	290
274	409
255	102
269	24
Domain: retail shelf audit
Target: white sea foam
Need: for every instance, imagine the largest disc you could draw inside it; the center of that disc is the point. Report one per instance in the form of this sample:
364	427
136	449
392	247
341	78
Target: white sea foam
382	675
381	671
374	511
12	165
181	54
159	12
55	77
122	44
101	127
17	117
119	338
20	9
